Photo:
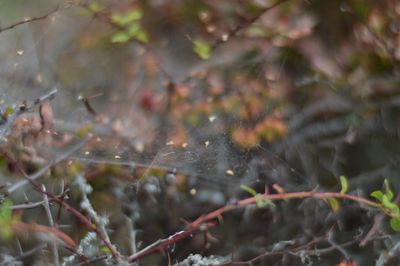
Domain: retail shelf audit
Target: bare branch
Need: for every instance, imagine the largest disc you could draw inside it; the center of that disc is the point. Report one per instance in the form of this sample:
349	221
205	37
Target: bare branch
54	247
28	20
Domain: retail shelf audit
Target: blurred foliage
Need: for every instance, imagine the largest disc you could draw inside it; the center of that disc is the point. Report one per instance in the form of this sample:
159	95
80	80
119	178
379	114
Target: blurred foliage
194	104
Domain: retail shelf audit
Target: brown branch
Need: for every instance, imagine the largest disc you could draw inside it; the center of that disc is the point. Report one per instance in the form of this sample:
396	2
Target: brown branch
83	219
21	228
28	20
375	227
205	220
248	22
161	244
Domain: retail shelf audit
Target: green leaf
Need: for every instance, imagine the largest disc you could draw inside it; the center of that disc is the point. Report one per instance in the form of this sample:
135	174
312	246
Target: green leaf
123	20
105	250
344	184
377	195
389	192
388	204
133	29
135	14
9	111
6	211
142	36
202	49
395	210
95	7
120	37
6	219
261	203
248	190
334	203
395	223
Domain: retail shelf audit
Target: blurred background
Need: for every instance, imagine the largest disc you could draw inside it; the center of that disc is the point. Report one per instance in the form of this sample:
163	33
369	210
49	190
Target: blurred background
187	101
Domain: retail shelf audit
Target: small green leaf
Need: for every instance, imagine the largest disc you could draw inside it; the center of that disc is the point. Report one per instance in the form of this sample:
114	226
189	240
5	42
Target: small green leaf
388	204
261	203
377	195
395	210
6	219
133	29
125	19
5	211
202	49
334	203
105	250
395	223
120	37
389	192
95	7
142	36
85	130
9	111
344	184
248	190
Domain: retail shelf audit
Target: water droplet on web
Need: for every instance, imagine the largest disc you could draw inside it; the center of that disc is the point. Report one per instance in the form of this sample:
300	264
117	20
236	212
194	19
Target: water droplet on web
212	118
225	37
193	191
20	52
117	157
204	16
169	143
184	145
230	172
210	28
87	152
207	143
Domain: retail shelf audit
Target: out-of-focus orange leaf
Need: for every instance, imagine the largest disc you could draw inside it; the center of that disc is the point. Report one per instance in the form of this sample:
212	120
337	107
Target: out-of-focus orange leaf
271	128
22	228
346	263
178	138
245	138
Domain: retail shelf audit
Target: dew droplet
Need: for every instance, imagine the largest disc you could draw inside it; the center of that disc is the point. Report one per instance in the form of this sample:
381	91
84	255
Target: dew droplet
207	143
210	28
212	118
193	191
230	172
20	52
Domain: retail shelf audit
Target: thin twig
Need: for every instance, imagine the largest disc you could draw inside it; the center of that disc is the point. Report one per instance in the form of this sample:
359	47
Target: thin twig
29	20
54	246
245	24
204	220
161	244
